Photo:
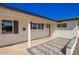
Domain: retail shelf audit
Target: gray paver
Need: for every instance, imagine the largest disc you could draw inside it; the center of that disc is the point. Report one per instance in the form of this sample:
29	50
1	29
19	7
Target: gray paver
53	47
36	51
46	51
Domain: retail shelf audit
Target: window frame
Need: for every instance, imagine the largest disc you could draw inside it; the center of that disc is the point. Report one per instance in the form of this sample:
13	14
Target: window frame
15	22
42	26
58	25
33	25
37	25
10	32
63	25
12	26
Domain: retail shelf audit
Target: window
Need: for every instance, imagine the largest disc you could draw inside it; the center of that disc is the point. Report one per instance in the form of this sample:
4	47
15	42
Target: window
6	27
9	27
37	26
64	25
33	25
42	26
16	27
58	25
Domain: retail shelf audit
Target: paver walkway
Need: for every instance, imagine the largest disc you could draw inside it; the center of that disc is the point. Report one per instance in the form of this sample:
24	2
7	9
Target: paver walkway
44	46
52	47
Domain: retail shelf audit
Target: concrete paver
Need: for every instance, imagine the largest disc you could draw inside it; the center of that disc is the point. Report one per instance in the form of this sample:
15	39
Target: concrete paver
52	47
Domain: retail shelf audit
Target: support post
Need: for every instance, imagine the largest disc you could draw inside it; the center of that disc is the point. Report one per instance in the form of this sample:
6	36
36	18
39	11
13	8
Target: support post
29	34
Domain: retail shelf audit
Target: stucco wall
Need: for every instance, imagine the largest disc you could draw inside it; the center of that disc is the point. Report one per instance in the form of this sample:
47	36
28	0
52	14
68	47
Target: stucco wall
39	33
7	39
68	32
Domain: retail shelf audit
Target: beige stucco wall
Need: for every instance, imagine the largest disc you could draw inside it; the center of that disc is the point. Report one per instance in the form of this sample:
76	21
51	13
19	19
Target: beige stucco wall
7	39
39	33
68	32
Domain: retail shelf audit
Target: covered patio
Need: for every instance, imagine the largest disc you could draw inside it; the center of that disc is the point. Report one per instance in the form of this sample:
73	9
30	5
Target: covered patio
57	46
21	48
44	46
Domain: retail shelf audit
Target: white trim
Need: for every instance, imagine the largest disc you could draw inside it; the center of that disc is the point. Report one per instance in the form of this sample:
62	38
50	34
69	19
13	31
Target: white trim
74	45
29	34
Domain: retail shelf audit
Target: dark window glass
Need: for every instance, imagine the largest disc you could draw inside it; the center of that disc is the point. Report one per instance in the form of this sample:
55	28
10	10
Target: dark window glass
9	27
64	25
42	26
58	25
39	26
6	26
34	26
16	27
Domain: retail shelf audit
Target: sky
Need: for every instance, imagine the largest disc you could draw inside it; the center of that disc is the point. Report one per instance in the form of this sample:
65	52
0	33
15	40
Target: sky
56	11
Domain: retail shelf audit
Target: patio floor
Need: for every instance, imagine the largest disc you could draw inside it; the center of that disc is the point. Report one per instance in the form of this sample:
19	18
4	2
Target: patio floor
44	46
20	49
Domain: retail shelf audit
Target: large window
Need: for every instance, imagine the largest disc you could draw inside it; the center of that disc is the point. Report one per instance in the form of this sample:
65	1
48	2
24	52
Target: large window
33	25
40	26
9	27
6	27
37	26
58	25
62	25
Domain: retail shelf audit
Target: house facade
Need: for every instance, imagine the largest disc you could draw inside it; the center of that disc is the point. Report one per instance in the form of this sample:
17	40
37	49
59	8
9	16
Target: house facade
17	26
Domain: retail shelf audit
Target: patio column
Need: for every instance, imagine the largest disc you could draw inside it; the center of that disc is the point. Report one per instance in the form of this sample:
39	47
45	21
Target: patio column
29	34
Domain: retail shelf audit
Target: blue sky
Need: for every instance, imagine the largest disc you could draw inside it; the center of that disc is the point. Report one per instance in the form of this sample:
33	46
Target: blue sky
57	11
